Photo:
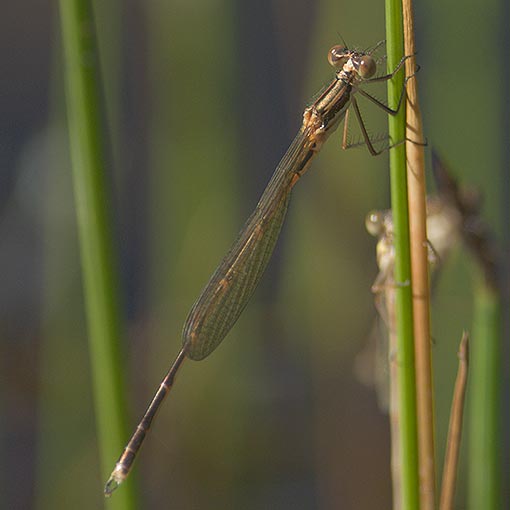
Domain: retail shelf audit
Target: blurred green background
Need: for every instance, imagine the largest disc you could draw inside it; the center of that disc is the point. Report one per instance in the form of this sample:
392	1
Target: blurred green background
203	98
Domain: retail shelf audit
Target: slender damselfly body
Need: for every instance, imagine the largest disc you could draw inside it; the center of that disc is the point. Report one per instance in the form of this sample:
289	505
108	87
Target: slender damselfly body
226	294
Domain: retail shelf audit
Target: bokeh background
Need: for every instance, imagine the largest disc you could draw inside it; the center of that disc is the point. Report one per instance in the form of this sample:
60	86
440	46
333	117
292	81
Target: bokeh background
203	98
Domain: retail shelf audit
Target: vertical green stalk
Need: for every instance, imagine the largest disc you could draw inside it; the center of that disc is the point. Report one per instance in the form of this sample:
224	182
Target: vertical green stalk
404	306
89	162
484	487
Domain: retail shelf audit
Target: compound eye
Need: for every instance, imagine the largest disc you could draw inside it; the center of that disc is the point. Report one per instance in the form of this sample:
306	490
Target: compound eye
374	223
338	56
367	67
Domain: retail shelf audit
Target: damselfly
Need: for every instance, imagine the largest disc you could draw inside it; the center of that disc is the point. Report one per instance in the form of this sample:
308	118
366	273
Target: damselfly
444	231
377	365
230	287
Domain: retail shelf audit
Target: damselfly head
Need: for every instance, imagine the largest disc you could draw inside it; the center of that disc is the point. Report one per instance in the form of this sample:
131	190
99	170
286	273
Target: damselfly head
362	63
375	223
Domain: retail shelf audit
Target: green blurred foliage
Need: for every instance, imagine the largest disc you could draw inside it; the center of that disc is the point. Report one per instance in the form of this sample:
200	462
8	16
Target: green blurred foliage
203	98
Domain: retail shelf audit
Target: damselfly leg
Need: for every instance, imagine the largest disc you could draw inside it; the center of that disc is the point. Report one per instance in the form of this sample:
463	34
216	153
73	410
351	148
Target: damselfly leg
367	140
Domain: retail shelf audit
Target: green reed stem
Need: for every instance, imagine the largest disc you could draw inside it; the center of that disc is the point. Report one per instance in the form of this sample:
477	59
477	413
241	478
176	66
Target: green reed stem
88	147
484	472
404	306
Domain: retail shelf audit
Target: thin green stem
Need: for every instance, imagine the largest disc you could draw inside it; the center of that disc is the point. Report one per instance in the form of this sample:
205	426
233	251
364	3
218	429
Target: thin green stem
484	487
89	163
404	306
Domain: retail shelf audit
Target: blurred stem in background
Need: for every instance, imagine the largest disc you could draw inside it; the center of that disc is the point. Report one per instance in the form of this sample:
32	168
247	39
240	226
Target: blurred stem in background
488	449
485	419
87	136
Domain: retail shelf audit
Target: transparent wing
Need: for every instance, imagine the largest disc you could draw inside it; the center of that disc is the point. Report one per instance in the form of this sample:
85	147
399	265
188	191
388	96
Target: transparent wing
228	291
